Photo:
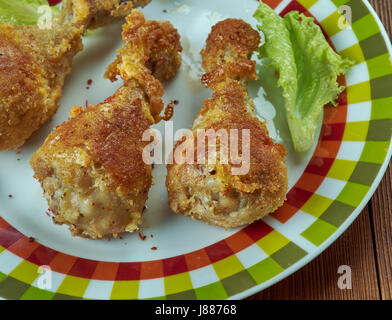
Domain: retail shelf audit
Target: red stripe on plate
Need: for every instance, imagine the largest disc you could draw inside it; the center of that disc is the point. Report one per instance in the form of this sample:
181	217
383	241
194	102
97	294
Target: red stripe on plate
297	197
257	230
128	271
174	265
83	268
319	165
42	256
272	3
294	5
218	251
332	131
8	236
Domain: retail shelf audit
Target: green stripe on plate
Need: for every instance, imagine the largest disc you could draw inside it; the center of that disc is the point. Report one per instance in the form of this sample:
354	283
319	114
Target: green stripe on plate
342	169
365	27
2	276
358	9
12	289
356	131
288	255
227	267
316	205
365	173
318	232
272	242
381	87
307	3
382	108
380	130
359	92
59	296
373	46
73	286
354	53
353	193
238	282
213	291
125	290
375	151
177	283
26	272
337	213
339	3
34	293
265	270
184	295
379	66
331	25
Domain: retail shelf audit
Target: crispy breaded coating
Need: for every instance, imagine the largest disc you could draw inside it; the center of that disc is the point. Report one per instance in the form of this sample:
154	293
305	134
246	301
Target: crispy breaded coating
91	167
213	192
34	63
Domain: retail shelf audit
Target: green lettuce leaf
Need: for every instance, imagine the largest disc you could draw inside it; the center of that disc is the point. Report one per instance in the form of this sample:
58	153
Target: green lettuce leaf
23	11
308	68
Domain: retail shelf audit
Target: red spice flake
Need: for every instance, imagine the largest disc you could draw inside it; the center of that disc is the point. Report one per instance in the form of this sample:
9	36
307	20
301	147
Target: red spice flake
47	213
154	248
108	100
31	239
151	235
142	236
86	103
87	88
176	102
93	204
121	237
169	111
54	2
10	196
89	82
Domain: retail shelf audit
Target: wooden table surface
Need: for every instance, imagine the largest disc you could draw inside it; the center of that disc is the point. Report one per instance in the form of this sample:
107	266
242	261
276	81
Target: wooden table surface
366	246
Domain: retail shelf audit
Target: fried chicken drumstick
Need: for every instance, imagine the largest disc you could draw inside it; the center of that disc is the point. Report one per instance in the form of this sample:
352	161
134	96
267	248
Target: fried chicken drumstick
34	63
211	192
91	167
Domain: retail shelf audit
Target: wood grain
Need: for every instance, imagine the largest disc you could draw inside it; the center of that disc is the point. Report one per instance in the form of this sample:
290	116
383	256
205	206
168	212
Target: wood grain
318	279
366	246
381	209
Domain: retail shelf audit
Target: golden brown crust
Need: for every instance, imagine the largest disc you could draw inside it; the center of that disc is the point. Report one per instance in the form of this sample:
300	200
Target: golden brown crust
36	61
211	192
151	55
91	167
228	49
21	102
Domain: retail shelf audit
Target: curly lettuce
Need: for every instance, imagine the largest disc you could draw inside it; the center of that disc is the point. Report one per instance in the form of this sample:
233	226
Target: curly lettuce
308	69
26	12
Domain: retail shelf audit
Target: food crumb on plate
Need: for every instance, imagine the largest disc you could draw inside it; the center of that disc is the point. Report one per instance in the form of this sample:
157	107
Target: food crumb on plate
142	236
154	248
